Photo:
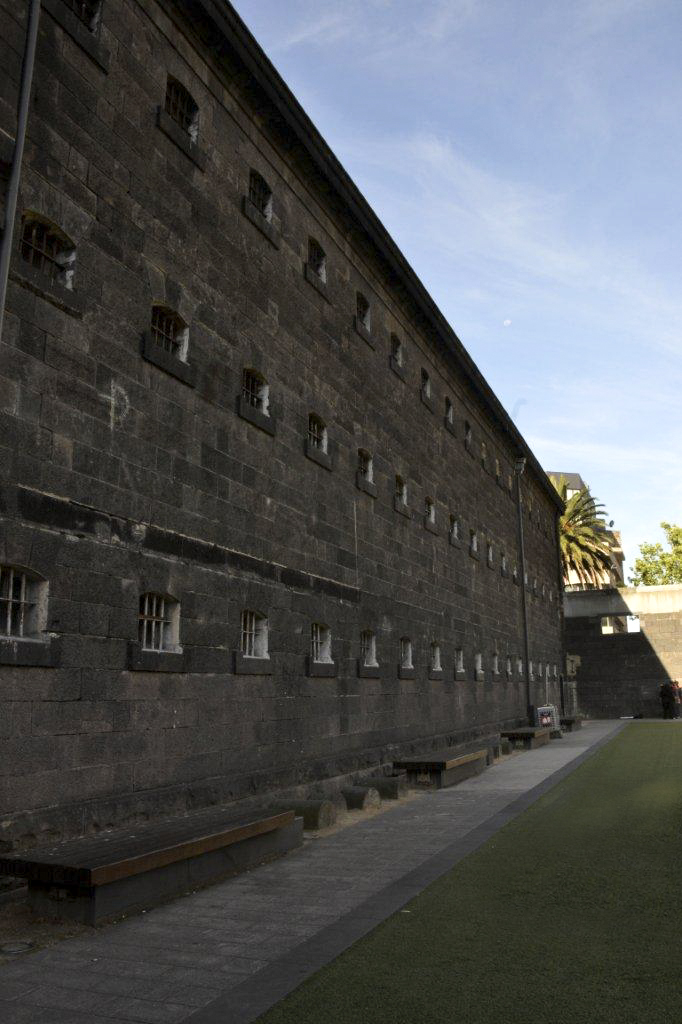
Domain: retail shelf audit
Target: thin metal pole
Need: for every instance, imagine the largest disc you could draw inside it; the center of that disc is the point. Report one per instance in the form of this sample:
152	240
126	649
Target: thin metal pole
519	469
15	173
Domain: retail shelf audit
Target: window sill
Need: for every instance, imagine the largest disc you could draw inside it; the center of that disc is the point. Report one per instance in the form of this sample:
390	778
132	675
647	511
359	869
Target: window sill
87	40
26	652
368	671
265	226
504	573
406	673
35	281
402	508
317	455
469	447
455	542
316	281
398	368
180	137
427	400
450	426
365	485
436	673
479	676
460	673
491	565
244	666
320	669
140	660
255	416
363	331
510	676
171	364
431	527
474	554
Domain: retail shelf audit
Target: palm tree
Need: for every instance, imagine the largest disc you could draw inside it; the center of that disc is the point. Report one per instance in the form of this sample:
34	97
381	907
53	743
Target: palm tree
584	542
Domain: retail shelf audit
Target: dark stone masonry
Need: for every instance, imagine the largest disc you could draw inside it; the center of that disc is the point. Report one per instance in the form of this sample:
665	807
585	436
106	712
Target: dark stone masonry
258	520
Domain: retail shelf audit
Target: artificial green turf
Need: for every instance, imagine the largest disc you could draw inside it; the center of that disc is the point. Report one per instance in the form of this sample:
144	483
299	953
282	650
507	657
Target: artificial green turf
571	913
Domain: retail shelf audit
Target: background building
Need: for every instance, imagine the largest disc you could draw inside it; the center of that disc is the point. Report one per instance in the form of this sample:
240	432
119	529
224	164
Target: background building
258	520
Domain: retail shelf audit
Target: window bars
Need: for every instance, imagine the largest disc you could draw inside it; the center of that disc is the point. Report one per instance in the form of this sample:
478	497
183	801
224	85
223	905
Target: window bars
42	248
255	390
365	465
167	329
400	490
320	643
406	652
260	194
429	510
254	635
155	622
317	260
317	433
368	648
16	603
181	107
86	11
426	384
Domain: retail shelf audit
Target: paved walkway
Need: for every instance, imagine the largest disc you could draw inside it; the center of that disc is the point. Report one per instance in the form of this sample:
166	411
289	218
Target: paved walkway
227	953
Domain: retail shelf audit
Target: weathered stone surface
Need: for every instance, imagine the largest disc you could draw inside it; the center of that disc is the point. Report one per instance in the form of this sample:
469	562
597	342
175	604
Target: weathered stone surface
361	798
118	477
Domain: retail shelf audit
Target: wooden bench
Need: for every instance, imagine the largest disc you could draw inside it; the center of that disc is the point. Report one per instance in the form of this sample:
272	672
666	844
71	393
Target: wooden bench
99	878
527	736
442	769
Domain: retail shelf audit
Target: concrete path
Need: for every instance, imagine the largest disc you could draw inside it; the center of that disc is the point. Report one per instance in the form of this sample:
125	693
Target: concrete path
227	953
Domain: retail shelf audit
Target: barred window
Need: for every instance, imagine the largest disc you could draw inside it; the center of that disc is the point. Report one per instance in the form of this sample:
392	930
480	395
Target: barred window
515	574
159	621
449	412
397	350
321	643
170	332
490	556
255	391
484	453
519	666
406	652
531	674
498	471
317	433
496	664
503	562
365	465
478	662
468	434
509	667
400	490
473	541
435	661
317	259
22	605
363	311
430	510
181	107
46	248
368	649
455	528
254	635
426	384
260	194
87	11
459	659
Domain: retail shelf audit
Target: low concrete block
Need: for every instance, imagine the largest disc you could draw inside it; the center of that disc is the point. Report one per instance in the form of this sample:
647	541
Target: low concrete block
390	787
316	814
361	798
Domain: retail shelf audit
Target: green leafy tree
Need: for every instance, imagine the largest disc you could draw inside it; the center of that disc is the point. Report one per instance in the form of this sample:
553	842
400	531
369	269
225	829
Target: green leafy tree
584	542
656	566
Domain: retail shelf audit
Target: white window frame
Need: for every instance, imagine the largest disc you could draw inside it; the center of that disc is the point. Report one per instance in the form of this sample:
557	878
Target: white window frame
158	622
23	603
254	631
406	652
368	649
320	644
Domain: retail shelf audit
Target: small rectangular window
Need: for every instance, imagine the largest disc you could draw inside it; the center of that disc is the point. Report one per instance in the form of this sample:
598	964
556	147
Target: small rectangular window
255	391
260	194
406	653
368	649
317	260
459	659
181	107
158	622
365	465
320	643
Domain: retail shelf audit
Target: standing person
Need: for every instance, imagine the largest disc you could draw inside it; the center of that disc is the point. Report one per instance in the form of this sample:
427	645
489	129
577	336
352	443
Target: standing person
667	695
676	698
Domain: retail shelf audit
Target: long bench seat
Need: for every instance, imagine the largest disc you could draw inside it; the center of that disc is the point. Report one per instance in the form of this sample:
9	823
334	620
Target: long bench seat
527	736
444	768
97	878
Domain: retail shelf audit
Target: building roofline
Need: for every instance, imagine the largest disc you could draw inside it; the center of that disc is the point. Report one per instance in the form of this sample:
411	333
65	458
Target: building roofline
250	54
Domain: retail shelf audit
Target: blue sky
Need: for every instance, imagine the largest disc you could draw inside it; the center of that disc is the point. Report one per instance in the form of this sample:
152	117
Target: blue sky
526	158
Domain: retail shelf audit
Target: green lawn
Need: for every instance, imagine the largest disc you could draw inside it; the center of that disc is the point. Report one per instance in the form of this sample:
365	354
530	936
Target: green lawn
571	913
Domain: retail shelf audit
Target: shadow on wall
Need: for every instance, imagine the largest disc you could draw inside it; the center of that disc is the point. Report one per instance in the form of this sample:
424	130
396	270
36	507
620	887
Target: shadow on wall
621	646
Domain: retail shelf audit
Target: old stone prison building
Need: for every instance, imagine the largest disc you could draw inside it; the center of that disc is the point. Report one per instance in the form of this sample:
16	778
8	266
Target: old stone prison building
258	507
